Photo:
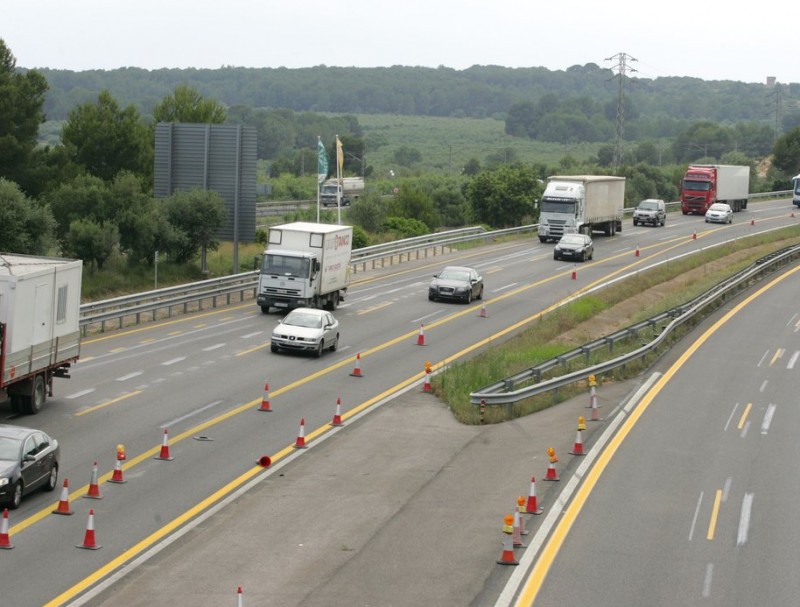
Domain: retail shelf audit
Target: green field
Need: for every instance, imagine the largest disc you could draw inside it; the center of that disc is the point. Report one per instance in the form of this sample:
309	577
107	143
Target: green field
446	144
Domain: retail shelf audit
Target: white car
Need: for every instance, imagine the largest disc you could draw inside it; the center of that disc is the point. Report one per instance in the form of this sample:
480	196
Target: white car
306	330
719	212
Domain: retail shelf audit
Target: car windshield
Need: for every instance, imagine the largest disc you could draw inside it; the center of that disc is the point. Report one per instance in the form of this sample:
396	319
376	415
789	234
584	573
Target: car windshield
648	206
9	448
310	321
574	239
718	207
454	275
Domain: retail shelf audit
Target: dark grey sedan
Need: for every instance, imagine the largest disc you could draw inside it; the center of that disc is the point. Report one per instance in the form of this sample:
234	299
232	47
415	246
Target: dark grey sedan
456	282
577	247
29	460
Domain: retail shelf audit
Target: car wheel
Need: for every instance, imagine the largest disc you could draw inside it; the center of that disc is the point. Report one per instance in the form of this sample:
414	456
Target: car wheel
16	497
431	297
591	255
480	293
730	219
320	348
555	256
273	348
52	479
468	298
634	222
335	343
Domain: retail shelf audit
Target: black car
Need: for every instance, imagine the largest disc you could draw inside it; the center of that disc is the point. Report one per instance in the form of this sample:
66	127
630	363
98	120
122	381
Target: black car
456	282
29	460
578	247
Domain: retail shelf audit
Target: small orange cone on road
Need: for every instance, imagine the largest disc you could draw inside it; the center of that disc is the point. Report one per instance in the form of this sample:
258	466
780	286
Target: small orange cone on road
507	556
637	250
426	386
5	539
521	510
532	507
89	541
117	476
551	475
264	461
94	488
574	274
421	336
577	449
483	313
265	399
164	453
752	222
239	602
300	442
337	417
516	534
694	235
357	369
63	502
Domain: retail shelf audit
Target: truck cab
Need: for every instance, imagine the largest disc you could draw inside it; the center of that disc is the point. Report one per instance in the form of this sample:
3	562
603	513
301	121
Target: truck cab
796	190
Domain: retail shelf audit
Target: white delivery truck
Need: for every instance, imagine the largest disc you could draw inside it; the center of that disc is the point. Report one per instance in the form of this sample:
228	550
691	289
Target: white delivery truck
40	299
581	204
335	192
305	265
704	184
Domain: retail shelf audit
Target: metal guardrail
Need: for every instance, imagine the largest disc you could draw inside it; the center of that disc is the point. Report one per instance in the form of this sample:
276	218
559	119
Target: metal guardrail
194	296
505	392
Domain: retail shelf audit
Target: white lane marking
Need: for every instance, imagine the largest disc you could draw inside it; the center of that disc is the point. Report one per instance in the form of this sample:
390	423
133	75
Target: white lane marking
745	429
214	347
696	514
763	357
763	386
730	418
707	580
249	335
504	287
129	376
190	414
744	519
81	393
767	421
167	363
726	488
792	360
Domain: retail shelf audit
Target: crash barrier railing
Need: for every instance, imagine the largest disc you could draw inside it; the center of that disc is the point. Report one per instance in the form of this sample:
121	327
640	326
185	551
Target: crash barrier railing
132	309
657	330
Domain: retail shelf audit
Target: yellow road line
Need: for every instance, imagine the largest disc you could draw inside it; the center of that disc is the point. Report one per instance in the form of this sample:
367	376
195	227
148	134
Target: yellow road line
712	524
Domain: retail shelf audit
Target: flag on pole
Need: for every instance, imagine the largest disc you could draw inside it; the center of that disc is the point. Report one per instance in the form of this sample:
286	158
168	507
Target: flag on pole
339	156
322	161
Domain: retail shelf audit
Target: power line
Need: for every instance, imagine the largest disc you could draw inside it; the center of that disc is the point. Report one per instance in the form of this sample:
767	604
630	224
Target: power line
623	68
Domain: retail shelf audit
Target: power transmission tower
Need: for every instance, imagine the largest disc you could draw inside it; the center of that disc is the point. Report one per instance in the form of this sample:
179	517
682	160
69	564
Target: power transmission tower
777	94
623	69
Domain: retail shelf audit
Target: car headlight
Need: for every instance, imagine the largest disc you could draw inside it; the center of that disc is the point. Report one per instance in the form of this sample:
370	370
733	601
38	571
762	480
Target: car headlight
3	482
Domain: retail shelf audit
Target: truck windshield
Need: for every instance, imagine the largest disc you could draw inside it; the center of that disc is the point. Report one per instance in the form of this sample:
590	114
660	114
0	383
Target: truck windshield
558	205
283	265
702	186
329	189
797	186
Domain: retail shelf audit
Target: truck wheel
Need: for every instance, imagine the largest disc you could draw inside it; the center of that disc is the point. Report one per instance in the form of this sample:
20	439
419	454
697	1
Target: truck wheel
37	397
265	309
542	239
16	402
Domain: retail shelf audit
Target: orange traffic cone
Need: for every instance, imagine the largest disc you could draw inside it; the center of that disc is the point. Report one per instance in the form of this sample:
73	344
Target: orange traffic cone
239	602
94	489
507	556
694	235
792	214
164	453
264	461
483	313
5	539
574	274
521	510
337	417
752	222
63	502
577	449
637	250
300	443
357	369
516	534
265	399
421	336
117	476
426	386
532	507
88	539
595	412
551	475
592	397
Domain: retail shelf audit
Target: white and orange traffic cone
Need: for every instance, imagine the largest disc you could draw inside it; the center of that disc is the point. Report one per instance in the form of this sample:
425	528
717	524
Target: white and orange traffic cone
521	510
63	502
239	600
516	534
426	385
595	417
636	254
592	397
337	417
574	274
694	235
752	222
265	399
532	507
5	539
89	541
484	313
507	556
551	475
356	372
164	453
421	336
577	448
300	442
94	489
117	476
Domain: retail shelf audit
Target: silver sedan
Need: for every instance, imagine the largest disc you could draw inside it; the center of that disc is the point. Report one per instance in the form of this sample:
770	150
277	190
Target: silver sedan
306	330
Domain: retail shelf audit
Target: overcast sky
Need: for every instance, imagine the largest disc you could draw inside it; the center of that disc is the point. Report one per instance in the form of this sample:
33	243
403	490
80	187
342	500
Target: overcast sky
712	40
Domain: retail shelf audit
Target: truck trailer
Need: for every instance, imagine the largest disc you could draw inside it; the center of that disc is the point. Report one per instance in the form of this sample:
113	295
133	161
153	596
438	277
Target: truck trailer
704	184
305	265
40	300
335	192
581	204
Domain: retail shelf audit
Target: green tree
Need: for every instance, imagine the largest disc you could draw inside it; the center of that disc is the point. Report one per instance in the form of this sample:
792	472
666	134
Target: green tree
412	202
22	96
503	197
84	197
105	139
197	214
25	225
786	153
91	241
186	104
406	156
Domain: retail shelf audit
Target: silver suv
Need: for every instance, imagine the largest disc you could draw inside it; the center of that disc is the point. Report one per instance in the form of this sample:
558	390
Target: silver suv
652	211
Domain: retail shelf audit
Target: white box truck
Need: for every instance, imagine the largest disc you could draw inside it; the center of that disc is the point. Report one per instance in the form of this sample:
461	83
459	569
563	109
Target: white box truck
333	193
581	204
40	299
305	265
